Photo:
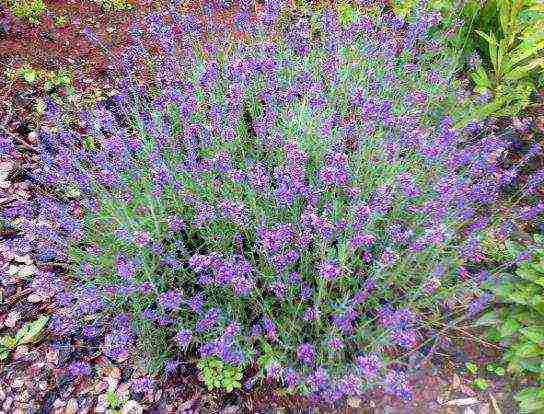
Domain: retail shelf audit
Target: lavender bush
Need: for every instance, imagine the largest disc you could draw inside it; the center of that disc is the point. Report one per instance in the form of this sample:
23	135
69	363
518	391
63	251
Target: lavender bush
301	209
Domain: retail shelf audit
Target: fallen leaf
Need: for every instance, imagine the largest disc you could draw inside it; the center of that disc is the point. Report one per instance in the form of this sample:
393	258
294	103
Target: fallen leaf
26	271
465	389
11	319
484	409
31	331
23	259
495	404
35	298
456	382
462	402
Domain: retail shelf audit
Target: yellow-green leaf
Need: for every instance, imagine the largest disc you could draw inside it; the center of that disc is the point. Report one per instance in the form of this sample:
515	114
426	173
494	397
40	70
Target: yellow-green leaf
522	71
524	51
31	331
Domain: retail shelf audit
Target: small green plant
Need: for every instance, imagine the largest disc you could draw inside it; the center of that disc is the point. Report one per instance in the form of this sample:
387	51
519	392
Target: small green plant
496	369
30	74
218	375
519	325
29	333
116	5
472	367
60	21
403	8
115	402
480	383
347	13
57	80
30	10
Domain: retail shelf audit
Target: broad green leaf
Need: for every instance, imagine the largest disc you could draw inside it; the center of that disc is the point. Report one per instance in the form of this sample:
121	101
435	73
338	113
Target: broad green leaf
30	331
509	327
528	350
531	400
527	273
531	365
535	334
539	7
481	383
502	50
480	78
504	15
488	319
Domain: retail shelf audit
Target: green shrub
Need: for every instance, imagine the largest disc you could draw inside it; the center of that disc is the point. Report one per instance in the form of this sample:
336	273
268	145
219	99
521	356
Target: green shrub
508	34
515	52
116	5
27	9
519	325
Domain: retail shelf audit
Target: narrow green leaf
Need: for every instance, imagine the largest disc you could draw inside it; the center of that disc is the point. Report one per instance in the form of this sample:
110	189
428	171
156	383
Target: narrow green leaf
504	15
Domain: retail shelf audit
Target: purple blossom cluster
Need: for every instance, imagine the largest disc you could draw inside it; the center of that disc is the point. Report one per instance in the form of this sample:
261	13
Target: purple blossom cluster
295	195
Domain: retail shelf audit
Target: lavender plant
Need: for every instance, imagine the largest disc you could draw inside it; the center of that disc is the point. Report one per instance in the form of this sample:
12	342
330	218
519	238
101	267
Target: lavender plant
302	208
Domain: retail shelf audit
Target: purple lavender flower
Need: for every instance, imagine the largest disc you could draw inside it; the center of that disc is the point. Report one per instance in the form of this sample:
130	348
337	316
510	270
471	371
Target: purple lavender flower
480	304
196	303
143	385
351	385
369	365
209	320
80	369
275	239
142	239
311	314
242	286
292	378
474	61
280	289
274	371
126	268
118	344
170	300
306	291
336	171
396	383
336	344
319	379
306	353
330	270
362	240
183	338
405	338
270	329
